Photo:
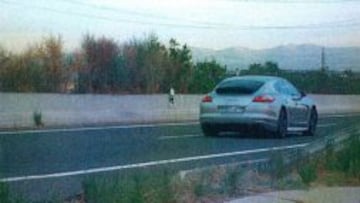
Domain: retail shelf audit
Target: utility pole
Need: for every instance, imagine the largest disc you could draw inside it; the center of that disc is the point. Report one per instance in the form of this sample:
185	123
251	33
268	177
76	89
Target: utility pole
237	71
323	62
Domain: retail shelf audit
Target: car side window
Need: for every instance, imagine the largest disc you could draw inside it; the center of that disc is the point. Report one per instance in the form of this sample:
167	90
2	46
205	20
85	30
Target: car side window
292	90
286	88
278	87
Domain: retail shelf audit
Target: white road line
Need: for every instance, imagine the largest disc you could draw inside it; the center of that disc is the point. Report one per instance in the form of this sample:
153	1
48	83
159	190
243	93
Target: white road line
338	115
179	136
96	128
326	125
147	164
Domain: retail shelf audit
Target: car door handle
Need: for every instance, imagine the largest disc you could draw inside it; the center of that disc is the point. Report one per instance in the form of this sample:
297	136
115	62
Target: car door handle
295	98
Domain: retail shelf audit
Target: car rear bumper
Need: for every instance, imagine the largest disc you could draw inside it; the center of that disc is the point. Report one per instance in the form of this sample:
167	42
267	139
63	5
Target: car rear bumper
235	122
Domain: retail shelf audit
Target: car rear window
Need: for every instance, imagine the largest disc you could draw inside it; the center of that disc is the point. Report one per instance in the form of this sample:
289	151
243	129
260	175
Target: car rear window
239	87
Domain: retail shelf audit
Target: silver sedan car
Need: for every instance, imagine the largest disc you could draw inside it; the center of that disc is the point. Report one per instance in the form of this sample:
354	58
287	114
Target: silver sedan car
257	102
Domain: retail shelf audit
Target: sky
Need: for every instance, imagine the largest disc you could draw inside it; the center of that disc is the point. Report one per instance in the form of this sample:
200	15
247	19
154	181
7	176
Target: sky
213	24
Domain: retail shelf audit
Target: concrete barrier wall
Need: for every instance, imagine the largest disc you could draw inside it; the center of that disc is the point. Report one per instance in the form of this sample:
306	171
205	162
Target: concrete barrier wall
332	104
16	109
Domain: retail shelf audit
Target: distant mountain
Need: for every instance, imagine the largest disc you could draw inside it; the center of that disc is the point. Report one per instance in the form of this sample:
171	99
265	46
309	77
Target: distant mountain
291	57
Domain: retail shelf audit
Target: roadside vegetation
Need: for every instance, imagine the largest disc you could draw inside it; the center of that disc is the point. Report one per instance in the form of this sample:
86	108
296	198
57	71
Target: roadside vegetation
5	196
4	193
334	167
102	65
319	80
144	186
140	66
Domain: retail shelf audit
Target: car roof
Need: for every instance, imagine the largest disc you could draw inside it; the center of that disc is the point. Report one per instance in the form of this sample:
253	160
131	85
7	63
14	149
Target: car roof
260	78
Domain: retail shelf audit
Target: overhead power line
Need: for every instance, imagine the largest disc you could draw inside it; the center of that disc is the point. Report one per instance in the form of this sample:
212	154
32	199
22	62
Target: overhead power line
296	1
101	17
202	25
118	11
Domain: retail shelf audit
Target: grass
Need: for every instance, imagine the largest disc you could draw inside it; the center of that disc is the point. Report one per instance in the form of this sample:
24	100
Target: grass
4	193
5	196
278	167
167	186
335	168
136	188
308	173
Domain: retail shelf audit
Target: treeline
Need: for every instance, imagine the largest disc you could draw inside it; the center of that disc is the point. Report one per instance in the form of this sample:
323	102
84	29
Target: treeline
102	65
140	66
320	81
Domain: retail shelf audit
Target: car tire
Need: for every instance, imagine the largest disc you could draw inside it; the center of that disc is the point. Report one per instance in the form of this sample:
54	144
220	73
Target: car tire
282	124
208	130
312	123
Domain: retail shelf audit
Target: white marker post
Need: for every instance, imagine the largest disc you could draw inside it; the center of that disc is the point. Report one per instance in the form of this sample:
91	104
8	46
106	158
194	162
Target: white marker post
172	97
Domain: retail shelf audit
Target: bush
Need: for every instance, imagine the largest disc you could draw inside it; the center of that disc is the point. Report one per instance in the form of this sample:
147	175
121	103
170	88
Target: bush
330	159
4	193
37	117
136	188
348	159
278	167
308	173
354	169
232	181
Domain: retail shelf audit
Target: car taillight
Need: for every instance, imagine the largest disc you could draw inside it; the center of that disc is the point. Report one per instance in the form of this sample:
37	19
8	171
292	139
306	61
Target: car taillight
207	99
264	99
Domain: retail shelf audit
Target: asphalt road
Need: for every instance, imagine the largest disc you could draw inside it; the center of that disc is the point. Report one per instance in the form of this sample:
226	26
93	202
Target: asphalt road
34	161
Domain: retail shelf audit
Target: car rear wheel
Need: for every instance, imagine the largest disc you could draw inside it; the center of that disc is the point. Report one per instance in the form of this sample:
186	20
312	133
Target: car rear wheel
312	123
208	130
282	125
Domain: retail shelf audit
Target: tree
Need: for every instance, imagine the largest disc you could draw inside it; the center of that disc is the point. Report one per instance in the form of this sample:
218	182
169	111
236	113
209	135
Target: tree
269	68
4	60
37	69
102	65
52	58
206	75
180	73
156	62
146	62
73	62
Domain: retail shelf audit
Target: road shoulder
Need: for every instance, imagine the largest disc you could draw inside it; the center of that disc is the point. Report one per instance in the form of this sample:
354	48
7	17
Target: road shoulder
321	194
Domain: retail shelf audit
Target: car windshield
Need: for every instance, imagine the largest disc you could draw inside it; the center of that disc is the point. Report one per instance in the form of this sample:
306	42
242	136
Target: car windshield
239	87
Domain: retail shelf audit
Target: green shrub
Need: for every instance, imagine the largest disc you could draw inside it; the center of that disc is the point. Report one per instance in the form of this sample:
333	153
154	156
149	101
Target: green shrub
37	117
199	189
277	164
4	193
308	173
232	181
330	158
135	188
354	169
348	159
